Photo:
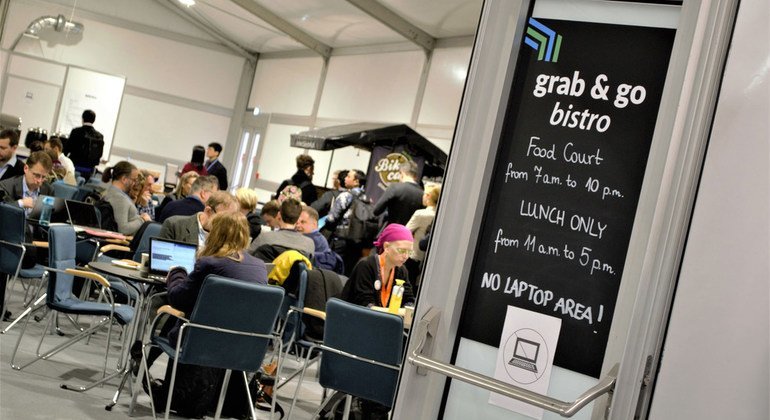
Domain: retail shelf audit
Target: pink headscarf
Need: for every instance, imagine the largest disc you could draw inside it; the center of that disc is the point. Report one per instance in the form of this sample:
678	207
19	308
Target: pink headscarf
393	232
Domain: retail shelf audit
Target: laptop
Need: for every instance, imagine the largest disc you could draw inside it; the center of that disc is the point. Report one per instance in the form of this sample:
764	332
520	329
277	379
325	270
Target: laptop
82	215
525	354
166	254
58	209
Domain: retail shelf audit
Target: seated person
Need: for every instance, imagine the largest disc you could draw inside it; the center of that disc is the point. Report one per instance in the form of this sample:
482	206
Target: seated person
182	190
200	192
269	215
194	228
371	280
323	255
286	237
23	191
224	254
121	179
247	198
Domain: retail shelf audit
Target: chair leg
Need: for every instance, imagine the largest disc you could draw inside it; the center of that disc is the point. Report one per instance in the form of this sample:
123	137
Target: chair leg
299	382
171	386
249	396
348	403
36	306
223	392
324	403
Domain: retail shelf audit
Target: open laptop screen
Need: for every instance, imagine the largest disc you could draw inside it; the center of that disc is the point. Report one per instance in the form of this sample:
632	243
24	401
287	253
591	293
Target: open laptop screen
165	254
82	214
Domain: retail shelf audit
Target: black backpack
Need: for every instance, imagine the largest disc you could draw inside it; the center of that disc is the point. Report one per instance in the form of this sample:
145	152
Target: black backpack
107	216
362	225
93	147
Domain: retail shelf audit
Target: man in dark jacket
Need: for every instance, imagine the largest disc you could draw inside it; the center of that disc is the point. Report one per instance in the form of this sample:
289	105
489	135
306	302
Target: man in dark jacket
200	191
402	198
303	179
214	166
10	165
85	145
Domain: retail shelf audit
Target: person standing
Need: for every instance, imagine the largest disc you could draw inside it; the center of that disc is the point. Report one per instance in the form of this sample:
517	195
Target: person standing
85	145
214	166
402	198
302	179
10	165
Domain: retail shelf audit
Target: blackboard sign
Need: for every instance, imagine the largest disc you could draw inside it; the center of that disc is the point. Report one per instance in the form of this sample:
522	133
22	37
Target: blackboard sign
566	182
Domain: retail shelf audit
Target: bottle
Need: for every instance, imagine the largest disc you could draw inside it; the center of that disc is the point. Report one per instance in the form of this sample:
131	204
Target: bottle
45	212
396	295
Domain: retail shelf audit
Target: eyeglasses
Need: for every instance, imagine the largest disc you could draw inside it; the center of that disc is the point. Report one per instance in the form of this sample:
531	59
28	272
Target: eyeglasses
402	251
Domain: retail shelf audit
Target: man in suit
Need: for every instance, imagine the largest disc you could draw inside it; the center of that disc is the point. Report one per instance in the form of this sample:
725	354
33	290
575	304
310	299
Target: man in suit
10	165
201	190
23	190
402	198
84	144
195	228
214	166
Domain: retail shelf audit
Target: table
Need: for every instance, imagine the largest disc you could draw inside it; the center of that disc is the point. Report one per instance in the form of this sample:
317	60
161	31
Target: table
132	276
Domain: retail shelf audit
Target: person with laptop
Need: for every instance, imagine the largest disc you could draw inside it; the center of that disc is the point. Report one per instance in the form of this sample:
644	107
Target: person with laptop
120	179
193	203
194	228
224	254
23	191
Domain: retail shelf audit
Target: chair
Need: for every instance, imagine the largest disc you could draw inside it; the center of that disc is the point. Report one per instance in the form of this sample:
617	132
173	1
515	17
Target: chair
12	252
64	190
362	353
230	328
59	299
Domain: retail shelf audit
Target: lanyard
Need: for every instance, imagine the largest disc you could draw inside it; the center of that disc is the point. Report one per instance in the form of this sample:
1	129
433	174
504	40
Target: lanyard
386	287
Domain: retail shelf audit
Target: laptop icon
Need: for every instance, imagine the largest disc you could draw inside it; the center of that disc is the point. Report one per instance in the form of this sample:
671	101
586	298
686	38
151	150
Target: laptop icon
166	254
525	354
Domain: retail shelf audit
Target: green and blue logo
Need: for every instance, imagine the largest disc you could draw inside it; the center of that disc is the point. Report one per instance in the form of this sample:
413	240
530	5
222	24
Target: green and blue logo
544	40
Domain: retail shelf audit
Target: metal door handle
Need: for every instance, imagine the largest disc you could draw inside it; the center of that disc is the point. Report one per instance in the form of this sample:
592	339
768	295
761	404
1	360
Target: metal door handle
565	409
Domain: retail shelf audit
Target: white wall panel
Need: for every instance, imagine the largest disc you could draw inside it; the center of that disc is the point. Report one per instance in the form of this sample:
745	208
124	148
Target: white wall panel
168	130
147	61
372	87
31	68
444	88
286	85
277	160
715	362
33	102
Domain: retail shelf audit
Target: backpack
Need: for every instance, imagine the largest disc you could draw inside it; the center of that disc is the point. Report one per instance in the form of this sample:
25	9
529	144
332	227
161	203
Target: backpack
107	216
93	147
362	225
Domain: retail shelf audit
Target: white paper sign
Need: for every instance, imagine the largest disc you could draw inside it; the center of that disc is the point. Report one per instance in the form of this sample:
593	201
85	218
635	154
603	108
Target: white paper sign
525	357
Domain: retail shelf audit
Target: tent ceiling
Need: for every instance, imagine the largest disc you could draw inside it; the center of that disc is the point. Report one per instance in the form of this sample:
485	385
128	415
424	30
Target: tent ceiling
265	26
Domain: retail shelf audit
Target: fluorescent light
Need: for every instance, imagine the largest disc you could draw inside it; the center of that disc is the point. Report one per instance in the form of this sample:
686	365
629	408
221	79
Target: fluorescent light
187	3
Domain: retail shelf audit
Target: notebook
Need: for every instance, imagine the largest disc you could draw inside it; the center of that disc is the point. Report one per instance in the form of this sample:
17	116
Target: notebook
58	209
166	254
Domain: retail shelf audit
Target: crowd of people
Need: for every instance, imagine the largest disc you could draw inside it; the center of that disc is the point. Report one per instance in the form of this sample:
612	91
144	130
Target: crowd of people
234	238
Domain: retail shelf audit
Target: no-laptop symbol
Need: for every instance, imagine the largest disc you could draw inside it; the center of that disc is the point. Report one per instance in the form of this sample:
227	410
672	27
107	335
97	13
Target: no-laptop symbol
544	40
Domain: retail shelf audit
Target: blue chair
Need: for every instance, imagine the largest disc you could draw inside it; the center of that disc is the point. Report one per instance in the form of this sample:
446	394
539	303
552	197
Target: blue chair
230	328
362	353
60	299
12	251
64	190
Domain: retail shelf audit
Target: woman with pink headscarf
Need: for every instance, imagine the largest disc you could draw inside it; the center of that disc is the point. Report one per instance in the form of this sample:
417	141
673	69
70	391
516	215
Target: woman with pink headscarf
373	277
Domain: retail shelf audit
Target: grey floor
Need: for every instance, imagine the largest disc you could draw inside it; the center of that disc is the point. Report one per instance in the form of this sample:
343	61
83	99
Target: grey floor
34	392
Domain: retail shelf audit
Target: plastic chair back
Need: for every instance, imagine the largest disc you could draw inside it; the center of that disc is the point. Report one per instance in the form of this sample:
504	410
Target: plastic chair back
61	255
64	190
234	305
151	230
365	333
13	221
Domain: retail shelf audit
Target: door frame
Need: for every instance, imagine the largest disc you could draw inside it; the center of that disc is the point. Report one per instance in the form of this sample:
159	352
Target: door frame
661	224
